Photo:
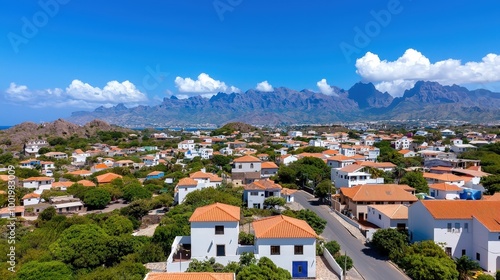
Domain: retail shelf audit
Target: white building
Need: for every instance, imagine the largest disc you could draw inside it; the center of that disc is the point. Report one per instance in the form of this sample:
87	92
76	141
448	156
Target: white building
403	143
465	227
353	175
246	169
447	133
461	148
32	147
294	134
290	243
31	199
185	186
39	184
186	145
256	193
445	191
388	215
79	157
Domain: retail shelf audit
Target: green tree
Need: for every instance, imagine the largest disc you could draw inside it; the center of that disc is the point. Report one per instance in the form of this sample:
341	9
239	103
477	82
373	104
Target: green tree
389	242
491	184
52	270
83	246
421	267
125	270
415	180
47	214
265	269
465	265
117	225
485	277
345	262
135	192
324	189
43	150
274	201
245	238
333	247
97	198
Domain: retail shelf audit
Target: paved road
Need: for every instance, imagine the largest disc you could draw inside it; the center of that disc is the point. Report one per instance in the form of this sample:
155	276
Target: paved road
369	264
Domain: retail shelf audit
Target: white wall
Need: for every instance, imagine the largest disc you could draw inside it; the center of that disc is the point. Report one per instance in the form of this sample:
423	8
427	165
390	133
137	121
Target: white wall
420	223
204	241
287	256
254	199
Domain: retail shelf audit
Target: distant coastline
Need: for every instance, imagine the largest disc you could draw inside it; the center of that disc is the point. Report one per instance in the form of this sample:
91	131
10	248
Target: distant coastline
3	127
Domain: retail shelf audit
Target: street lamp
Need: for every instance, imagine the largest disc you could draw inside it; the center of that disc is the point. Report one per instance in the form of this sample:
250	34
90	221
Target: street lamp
179	248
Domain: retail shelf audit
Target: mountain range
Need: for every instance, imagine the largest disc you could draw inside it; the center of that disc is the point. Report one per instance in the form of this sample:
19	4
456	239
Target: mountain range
362	102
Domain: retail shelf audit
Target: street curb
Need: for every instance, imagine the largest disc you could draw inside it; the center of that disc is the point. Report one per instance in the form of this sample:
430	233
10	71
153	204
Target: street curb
398	268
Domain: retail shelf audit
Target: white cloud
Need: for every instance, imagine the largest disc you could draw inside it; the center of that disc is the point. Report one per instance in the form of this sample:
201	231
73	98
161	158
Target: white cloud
77	94
325	88
395	76
204	84
264	86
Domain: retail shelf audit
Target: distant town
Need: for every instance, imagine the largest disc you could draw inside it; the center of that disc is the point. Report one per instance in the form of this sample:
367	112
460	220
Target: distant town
306	201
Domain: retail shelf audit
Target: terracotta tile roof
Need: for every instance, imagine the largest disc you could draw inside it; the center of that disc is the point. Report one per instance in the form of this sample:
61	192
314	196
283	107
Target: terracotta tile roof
106	178
268	164
282	227
204	175
66	184
445	187
100	166
287	191
443	177
477	168
187	182
31	195
494	197
247	159
352	168
6	210
358	157
217	212
189	276
378	192
441	168
377	164
78	151
393	211
485	211
263	184
330	152
127	161
86	183
404	152
30	179
470	172
79	172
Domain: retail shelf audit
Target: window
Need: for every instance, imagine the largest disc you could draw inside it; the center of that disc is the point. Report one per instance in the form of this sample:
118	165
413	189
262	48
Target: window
466	227
275	250
449	227
478	257
251	165
298	250
448	251
219	229
221	250
463	252
254	193
457	227
379	217
239	166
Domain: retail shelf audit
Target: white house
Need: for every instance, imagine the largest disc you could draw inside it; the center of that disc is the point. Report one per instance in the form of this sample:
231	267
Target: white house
287	159
56	155
79	157
38	183
465	227
407	153
388	215
32	147
185	186
447	133
445	191
461	148
353	175
247	169
433	178
256	192
294	134
290	243
268	169
186	145
206	179
31	199
339	161
403	143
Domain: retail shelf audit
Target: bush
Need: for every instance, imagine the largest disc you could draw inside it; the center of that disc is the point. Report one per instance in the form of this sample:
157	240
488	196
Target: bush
344	262
246	238
497	275
333	247
485	277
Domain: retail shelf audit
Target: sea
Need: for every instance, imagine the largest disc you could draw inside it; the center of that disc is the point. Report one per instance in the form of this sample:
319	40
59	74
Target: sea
2	127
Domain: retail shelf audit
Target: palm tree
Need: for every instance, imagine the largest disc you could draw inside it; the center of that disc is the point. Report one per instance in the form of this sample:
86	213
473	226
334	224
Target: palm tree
464	266
399	171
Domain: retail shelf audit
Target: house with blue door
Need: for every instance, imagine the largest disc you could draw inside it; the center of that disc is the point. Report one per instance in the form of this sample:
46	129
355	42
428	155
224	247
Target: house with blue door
155	175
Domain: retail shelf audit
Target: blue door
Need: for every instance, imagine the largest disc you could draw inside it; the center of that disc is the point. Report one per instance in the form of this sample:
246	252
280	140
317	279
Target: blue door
299	269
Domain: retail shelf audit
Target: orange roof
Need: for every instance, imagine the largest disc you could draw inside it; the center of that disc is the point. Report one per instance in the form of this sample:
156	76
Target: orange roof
187	182
4	178
247	159
38	179
66	184
204	175
31	195
80	172
189	276
269	164
404	152
86	183
78	151
263	184
287	191
100	166
443	177
352	168
485	211
283	227
17	209
445	187
441	168
393	211
494	197
377	164
217	212
107	178
330	152
470	172
378	192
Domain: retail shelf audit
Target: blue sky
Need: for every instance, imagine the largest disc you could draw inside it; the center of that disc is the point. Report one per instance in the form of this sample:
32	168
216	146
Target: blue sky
60	56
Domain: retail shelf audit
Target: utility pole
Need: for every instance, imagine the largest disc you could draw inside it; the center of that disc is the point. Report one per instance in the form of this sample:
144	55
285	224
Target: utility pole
345	264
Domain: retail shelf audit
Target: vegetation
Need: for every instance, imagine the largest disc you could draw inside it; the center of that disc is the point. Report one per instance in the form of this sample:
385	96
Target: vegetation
465	266
343	260
310	217
415	180
97	198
